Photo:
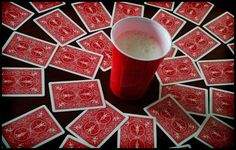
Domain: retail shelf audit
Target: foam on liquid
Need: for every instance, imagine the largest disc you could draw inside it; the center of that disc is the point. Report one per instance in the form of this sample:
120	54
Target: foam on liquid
139	44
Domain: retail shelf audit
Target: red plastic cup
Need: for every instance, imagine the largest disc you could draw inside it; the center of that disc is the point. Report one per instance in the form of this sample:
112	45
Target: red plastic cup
130	75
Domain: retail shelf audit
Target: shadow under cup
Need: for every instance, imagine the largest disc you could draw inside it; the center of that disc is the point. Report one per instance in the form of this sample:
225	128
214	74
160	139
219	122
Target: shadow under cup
130	75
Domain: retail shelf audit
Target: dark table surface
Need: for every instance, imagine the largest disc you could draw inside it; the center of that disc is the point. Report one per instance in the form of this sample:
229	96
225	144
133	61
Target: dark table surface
13	107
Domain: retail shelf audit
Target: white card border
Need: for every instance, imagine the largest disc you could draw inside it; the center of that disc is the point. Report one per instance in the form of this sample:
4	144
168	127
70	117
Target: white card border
140	116
26	61
80	108
29	112
80	74
182	146
68	136
204	54
184	81
85	24
32	13
204	78
72	132
167	134
175	52
40	11
104	70
104	140
205	27
93	34
210	102
204	17
172	6
114	8
28	95
180	27
202	126
5	142
230	44
193	87
50	35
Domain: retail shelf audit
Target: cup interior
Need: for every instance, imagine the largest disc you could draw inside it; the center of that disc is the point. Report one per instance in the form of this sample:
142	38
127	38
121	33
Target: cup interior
148	26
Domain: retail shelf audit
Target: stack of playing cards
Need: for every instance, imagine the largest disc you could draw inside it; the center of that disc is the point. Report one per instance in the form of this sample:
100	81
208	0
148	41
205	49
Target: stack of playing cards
99	119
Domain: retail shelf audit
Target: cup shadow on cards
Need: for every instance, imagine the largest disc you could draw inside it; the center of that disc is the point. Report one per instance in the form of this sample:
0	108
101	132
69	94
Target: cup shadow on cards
134	105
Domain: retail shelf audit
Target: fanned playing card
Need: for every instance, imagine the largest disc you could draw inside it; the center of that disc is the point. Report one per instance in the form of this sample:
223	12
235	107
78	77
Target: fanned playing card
99	43
72	142
194	12
125	9
215	133
31	129
163	5
96	126
29	49
77	61
138	132
221	103
59	27
231	47
22	82
94	15
177	70
172	52
172	119
217	72
170	22
76	95
193	99
45	6
14	16
222	27
196	43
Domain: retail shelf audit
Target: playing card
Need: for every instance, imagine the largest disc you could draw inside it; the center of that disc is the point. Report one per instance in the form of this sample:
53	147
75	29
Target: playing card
192	99
177	70
231	47
22	82
196	43
76	95
29	49
178	125
194	12
124	9
222	103
45	6
59	27
217	72
96	126
164	5
14	16
222	27
99	43
215	133
171	53
170	22
77	61
94	15
31	129
138	132
72	142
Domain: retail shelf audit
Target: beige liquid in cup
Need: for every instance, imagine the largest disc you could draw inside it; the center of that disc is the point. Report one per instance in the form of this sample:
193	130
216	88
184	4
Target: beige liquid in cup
139	44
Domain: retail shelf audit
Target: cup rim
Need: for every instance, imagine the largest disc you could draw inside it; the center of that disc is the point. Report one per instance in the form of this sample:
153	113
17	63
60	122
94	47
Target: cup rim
145	20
